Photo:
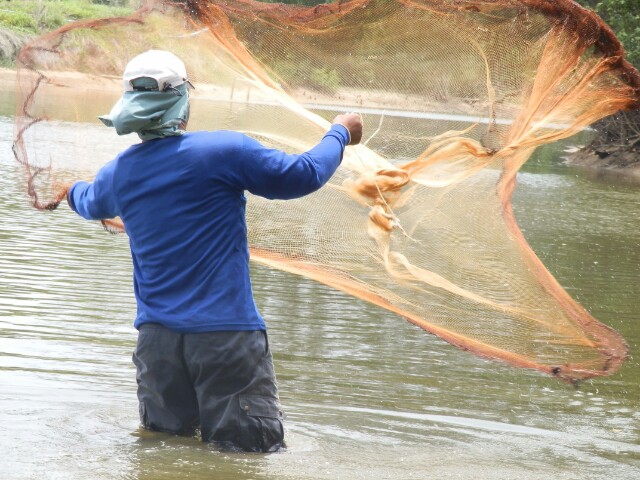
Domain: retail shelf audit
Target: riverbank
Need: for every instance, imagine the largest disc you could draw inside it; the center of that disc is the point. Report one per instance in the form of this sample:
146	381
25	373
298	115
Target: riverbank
113	84
614	164
614	148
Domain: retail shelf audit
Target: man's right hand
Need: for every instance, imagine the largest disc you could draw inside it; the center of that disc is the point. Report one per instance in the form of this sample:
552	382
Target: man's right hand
61	191
353	123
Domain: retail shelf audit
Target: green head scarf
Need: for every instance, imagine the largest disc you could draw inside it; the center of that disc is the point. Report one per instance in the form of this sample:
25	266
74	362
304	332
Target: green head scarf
150	114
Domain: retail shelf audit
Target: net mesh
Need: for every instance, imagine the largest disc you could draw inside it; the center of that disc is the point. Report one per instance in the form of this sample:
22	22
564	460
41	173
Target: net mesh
418	220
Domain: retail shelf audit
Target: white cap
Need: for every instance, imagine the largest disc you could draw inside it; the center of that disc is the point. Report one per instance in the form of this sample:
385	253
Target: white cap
164	67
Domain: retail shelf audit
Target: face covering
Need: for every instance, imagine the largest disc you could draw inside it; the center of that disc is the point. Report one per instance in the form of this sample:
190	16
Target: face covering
150	114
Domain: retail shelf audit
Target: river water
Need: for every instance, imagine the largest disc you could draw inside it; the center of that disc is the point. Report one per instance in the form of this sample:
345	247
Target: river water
367	395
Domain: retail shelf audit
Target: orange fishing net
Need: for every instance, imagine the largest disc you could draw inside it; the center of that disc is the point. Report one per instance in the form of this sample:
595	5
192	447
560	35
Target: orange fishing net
418	219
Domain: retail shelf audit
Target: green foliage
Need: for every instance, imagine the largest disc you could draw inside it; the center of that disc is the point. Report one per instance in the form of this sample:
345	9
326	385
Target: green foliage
17	20
36	16
324	79
304	74
623	16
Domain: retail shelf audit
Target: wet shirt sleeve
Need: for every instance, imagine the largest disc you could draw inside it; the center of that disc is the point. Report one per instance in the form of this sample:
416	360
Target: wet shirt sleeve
96	200
275	174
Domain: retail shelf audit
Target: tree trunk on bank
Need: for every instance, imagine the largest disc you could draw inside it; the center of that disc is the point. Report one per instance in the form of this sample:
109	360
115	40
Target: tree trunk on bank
615	146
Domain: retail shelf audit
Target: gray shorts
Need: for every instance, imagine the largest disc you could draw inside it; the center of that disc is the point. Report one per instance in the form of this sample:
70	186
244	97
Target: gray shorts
221	382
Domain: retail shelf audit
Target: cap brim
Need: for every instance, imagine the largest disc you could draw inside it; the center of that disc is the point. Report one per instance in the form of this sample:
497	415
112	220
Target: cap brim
106	119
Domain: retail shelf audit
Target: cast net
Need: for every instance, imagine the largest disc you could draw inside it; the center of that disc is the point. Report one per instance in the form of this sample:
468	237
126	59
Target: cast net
418	219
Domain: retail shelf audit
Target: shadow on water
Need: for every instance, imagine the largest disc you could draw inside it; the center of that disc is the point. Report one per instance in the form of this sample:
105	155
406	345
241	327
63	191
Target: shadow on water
367	395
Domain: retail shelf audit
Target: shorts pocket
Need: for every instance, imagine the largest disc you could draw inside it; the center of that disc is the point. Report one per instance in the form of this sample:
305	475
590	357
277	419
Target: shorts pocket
263	430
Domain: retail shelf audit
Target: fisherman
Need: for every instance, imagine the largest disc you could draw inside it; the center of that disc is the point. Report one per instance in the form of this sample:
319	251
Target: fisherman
202	357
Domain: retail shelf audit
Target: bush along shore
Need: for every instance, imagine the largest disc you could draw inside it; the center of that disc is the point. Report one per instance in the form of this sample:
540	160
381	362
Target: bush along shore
615	145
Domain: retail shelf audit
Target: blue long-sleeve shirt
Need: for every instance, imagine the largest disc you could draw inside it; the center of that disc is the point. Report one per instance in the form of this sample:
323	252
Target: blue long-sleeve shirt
183	206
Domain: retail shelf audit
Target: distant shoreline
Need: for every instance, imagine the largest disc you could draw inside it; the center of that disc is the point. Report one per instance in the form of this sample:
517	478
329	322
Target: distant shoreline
581	158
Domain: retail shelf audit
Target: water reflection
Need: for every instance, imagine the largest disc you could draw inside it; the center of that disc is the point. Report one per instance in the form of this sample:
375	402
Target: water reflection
367	395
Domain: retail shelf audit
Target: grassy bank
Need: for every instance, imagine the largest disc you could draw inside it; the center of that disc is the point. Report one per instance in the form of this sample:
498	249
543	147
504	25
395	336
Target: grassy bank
23	19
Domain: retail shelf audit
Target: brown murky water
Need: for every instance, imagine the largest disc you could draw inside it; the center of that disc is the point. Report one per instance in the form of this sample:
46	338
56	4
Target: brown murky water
367	395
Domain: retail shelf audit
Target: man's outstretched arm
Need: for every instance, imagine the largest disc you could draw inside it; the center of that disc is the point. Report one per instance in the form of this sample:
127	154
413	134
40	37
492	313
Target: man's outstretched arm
96	200
274	174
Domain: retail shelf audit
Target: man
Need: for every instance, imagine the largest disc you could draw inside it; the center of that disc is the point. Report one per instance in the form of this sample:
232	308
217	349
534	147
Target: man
202	356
